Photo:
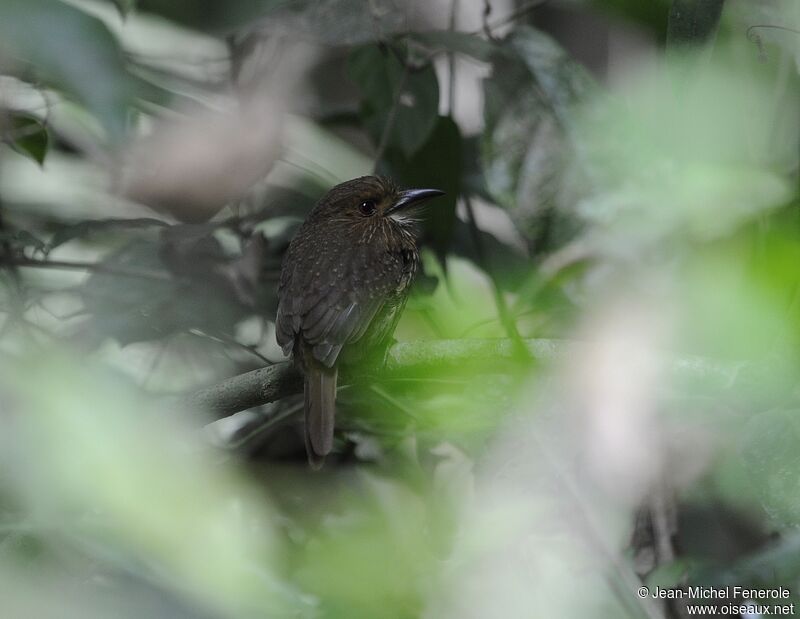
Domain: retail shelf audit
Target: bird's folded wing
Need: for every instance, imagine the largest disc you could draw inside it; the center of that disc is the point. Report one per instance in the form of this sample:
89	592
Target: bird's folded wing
329	312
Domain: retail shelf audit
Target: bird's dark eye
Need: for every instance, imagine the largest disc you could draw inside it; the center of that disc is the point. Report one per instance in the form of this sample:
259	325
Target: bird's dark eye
367	207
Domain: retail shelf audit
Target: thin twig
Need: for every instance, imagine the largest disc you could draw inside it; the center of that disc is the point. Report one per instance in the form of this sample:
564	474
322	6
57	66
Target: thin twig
750	35
487	10
506	319
663	524
393	401
229	341
515	315
17	301
266	424
430	320
88	266
88	226
628	582
157	359
451	61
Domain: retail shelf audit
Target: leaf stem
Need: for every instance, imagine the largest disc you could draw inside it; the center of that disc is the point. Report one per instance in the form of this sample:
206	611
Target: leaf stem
506	319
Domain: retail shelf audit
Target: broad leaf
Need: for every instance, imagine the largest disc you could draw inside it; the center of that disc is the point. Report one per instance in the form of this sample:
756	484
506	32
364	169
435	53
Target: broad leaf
72	50
28	135
405	101
438	165
529	140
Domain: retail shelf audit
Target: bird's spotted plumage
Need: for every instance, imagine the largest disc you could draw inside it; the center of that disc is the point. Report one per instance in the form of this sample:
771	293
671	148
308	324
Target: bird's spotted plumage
344	282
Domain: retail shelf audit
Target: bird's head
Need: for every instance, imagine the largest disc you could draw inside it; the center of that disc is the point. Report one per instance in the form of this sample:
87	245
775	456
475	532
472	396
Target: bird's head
372	199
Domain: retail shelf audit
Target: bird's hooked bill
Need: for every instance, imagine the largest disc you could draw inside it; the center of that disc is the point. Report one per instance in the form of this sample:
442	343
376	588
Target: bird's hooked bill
411	197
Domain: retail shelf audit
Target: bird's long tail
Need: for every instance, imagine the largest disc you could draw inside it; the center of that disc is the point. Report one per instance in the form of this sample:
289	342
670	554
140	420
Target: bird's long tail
320	409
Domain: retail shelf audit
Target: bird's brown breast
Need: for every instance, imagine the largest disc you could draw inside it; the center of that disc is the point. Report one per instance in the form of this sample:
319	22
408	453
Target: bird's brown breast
343	285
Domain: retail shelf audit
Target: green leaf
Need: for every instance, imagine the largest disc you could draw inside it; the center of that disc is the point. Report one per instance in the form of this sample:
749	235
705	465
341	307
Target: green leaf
145	461
382	522
73	51
407	101
693	21
28	135
529	139
773	462
561	80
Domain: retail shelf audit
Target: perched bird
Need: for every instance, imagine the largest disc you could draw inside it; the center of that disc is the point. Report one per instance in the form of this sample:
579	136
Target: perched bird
344	282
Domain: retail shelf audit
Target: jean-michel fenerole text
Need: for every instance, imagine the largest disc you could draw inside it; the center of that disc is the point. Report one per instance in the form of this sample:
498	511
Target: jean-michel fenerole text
729	592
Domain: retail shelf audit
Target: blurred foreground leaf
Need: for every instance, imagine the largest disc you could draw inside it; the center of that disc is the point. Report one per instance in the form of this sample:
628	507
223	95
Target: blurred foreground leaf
71	50
669	160
387	529
89	445
770	450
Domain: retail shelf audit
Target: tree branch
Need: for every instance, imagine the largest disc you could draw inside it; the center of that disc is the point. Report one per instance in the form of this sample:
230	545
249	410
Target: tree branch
248	390
278	381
